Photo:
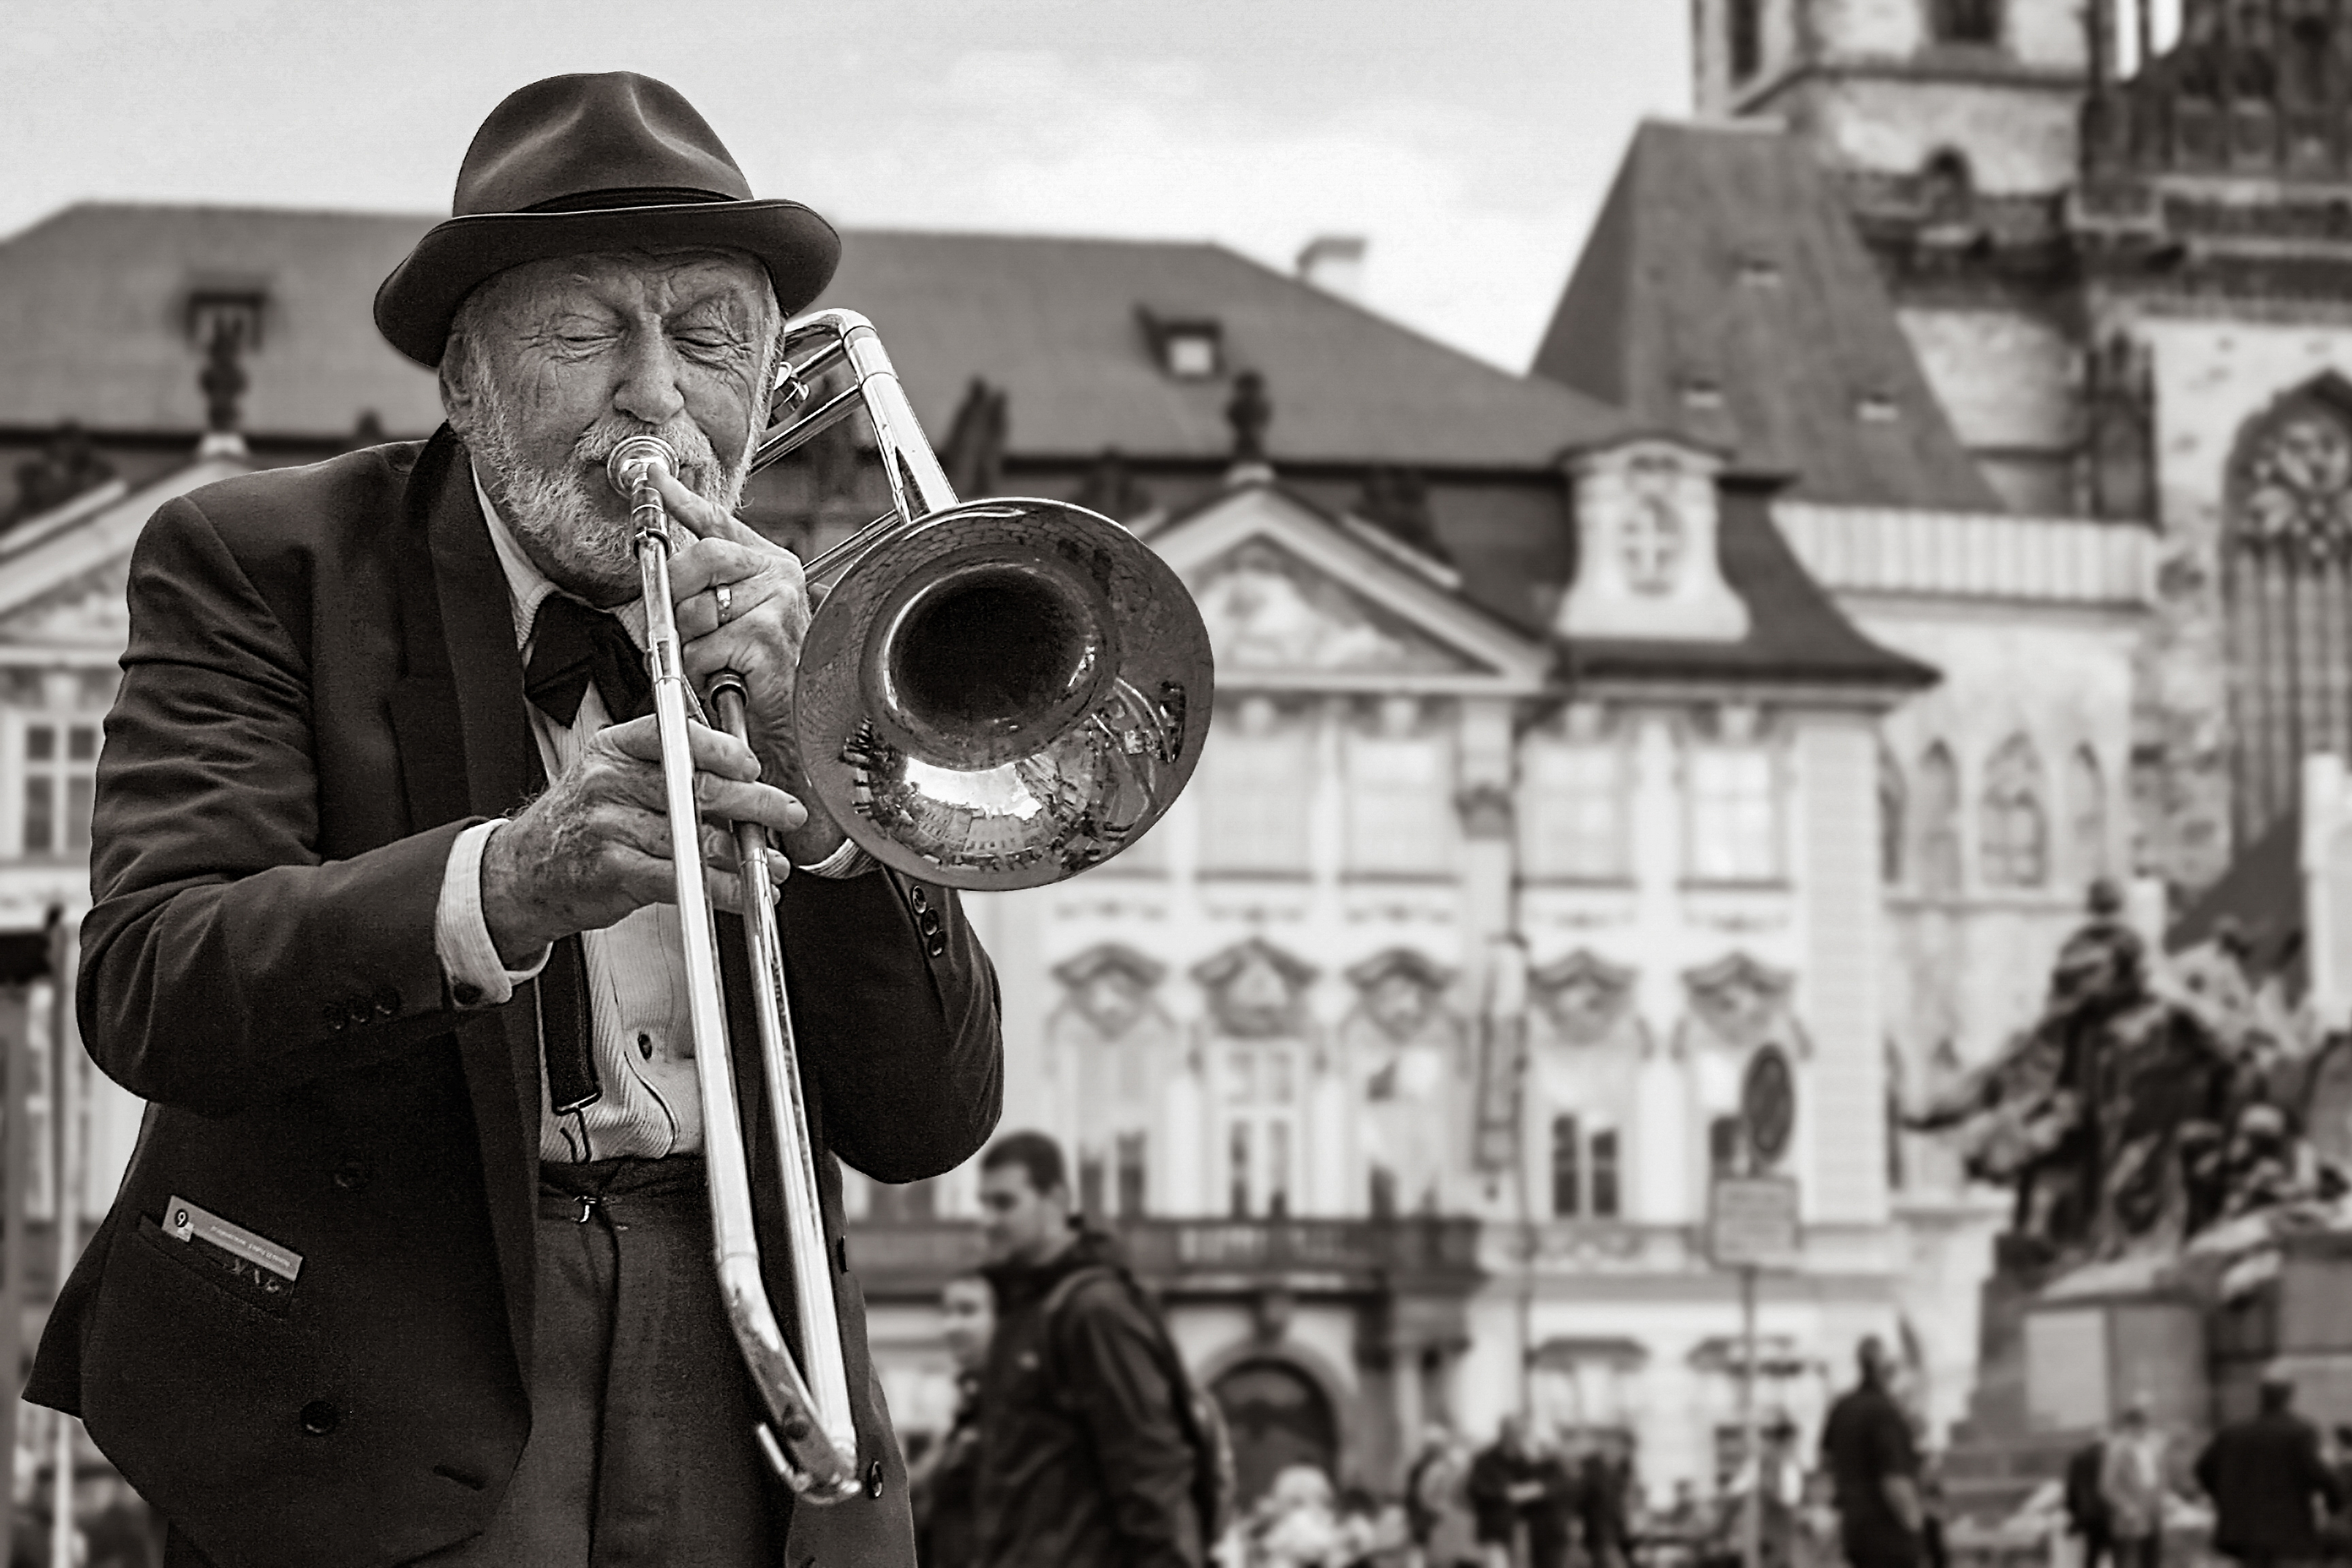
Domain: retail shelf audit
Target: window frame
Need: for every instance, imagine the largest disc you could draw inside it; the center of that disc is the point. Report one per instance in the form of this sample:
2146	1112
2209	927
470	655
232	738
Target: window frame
1766	746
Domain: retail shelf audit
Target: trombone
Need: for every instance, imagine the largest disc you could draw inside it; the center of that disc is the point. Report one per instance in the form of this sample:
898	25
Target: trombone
993	694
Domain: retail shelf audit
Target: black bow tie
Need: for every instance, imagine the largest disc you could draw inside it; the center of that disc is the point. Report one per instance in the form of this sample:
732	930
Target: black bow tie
572	645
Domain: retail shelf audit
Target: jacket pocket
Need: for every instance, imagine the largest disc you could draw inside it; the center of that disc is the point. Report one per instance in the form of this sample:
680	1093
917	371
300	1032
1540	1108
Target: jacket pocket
250	1283
200	1396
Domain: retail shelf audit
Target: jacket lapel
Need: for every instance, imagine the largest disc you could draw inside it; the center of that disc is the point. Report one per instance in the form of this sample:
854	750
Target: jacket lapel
465	746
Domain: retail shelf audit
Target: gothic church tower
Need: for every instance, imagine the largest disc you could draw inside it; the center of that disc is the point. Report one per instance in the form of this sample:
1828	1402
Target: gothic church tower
2126	268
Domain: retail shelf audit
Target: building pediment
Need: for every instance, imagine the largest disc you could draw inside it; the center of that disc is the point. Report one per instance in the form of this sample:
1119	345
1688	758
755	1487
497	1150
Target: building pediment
62	574
1292	596
88	611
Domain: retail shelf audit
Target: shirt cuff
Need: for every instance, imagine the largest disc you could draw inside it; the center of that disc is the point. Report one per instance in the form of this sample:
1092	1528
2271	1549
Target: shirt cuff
461	937
846	860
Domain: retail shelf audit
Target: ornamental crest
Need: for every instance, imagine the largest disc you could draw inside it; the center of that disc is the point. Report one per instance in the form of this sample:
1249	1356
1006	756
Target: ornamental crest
2297	489
1584	996
1401	990
1739	1002
1257	990
1111	986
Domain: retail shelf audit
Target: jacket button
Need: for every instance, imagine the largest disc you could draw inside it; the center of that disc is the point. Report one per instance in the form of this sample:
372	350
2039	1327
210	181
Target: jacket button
351	1175
930	922
919	899
387	1003
936	947
466	993
319	1418
339	1019
874	1479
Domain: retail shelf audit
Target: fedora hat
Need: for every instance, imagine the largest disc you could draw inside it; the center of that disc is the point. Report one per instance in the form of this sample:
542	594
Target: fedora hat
576	163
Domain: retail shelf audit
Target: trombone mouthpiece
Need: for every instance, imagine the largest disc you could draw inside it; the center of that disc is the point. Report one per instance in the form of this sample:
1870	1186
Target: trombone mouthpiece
635	458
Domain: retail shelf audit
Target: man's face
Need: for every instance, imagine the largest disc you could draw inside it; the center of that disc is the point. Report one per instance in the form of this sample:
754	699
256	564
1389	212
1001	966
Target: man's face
1018	1223
967	1317
554	362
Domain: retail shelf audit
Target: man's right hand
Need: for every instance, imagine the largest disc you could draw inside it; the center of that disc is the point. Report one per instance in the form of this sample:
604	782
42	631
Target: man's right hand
596	844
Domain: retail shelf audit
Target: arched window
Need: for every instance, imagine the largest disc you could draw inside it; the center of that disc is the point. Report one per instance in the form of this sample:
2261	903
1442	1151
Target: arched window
2012	823
1938	866
2286	571
2086	815
1890	818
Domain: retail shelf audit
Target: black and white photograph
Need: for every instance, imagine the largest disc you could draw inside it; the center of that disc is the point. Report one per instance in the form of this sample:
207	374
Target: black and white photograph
1253	783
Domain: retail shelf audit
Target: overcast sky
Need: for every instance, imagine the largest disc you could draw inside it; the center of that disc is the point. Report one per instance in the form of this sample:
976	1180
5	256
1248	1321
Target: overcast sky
1468	141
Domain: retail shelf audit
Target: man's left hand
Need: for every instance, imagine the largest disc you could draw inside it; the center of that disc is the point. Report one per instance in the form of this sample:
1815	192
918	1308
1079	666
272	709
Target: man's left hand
742	603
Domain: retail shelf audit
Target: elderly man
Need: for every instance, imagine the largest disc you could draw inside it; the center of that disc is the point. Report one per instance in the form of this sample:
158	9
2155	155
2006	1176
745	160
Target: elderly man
413	1261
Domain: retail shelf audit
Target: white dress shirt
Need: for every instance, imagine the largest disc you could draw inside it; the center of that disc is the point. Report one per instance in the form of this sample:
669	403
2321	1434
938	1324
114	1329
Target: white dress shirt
642	1040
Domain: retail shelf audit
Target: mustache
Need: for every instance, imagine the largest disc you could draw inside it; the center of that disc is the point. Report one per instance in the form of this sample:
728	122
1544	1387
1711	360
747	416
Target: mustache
700	467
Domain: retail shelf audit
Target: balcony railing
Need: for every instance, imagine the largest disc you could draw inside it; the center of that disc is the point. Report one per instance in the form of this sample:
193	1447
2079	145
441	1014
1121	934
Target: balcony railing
1182	1256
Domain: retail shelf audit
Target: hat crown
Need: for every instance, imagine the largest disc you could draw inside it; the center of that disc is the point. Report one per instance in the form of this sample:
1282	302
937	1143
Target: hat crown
570	143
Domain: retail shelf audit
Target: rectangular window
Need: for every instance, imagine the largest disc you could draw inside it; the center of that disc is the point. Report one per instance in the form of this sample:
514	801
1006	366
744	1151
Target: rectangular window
1746	28
1723	1146
1237	1159
1605	1175
1090	1186
1567	1168
1572	812
1735	828
60	781
1400	816
1130	1150
1278	1170
1255	784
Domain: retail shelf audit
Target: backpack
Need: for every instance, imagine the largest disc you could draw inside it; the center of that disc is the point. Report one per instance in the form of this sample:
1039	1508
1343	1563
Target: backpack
1215	1482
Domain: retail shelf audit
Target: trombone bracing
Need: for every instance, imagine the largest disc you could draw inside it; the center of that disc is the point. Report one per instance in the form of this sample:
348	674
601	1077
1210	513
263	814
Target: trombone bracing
994	694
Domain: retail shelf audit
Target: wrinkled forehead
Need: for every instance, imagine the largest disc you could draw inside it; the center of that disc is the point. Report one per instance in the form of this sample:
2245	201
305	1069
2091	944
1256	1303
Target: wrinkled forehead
663	279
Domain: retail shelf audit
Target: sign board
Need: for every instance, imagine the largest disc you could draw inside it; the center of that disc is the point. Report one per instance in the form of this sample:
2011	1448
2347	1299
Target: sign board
1752	1223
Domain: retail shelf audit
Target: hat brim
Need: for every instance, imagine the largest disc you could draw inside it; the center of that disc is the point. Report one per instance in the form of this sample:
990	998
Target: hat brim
414	305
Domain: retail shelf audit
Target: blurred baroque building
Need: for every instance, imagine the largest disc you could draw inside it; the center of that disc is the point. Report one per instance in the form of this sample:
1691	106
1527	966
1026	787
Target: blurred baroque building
1930	495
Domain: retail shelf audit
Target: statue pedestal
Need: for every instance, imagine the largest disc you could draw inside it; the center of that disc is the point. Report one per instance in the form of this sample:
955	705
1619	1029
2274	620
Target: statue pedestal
2058	1357
2295	1319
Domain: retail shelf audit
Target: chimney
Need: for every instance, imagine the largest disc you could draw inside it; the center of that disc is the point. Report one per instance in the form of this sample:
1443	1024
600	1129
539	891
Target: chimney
1334	264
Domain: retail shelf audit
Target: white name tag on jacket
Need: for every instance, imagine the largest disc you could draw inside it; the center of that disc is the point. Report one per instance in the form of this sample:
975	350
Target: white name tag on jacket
185	1222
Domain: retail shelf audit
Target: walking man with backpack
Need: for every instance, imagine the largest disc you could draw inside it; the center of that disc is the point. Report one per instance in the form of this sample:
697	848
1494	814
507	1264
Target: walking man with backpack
1095	1450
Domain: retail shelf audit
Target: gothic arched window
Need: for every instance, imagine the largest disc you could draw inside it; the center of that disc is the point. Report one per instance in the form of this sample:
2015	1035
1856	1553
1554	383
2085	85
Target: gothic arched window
1938	866
2012	823
2286	565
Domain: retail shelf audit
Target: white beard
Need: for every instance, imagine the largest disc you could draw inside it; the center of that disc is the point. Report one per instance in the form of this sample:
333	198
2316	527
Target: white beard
554	513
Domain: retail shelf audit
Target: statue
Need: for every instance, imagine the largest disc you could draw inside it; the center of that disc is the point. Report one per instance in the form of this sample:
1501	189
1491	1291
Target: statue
2104	1115
223	380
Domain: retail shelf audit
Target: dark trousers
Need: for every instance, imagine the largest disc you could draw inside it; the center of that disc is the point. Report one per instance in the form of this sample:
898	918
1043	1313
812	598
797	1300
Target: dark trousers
641	1450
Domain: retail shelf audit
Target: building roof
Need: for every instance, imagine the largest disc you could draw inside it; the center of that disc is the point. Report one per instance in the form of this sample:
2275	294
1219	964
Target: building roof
93	305
1723	294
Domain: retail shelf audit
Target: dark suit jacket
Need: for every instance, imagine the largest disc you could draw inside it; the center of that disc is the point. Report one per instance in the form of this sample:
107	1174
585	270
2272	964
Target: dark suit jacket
2265	1479
321	690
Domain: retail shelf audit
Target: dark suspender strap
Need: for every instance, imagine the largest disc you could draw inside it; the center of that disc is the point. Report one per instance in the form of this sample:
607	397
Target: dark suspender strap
564	1042
567	1049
